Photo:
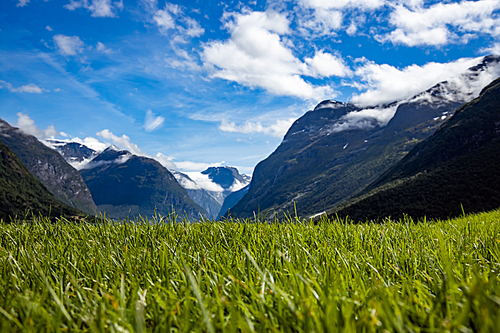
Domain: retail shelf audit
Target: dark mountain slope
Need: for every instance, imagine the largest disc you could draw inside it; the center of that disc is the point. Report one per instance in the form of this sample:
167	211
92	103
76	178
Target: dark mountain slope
331	153
232	199
21	193
125	185
50	168
454	168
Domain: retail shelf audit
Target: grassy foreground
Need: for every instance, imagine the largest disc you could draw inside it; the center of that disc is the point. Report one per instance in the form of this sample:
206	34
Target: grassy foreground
295	276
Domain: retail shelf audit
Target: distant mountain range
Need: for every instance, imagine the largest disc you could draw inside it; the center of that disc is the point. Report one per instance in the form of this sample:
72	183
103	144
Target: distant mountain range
207	189
211	187
61	179
454	171
334	151
125	185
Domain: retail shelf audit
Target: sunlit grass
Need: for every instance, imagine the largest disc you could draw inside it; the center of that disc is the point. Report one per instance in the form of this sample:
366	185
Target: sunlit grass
296	276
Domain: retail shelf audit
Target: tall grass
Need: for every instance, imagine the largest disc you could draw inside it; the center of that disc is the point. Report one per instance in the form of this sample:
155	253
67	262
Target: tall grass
240	276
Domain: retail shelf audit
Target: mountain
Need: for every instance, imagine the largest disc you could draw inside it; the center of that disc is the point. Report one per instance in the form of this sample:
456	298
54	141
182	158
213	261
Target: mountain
208	200
21	193
211	187
453	171
337	149
232	199
125	185
76	154
61	179
227	177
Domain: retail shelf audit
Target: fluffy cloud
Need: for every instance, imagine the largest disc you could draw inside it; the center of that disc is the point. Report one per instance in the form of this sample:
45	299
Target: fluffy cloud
99	8
29	88
326	65
28	126
278	129
385	83
68	45
493	49
256	56
151	122
419	25
121	141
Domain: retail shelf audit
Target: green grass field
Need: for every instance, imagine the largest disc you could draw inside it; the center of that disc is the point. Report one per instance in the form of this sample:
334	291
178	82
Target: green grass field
292	276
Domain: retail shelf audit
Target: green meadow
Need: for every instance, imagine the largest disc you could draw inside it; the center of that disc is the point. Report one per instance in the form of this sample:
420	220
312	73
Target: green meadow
287	275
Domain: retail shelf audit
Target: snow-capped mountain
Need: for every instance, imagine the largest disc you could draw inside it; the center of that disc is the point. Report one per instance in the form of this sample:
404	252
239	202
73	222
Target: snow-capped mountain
212	186
126	185
208	189
78	155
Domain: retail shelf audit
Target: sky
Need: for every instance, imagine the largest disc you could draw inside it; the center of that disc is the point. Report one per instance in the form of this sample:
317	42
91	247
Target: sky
204	83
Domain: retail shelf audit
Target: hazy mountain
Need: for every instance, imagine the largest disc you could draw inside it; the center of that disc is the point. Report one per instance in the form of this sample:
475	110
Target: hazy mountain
454	170
21	193
232	199
124	184
337	149
61	179
211	187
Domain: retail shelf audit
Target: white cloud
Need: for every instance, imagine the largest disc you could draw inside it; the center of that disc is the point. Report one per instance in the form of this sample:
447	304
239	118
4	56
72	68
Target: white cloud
278	129
327	64
68	45
28	126
29	88
22	3
341	4
151	122
363	119
49	28
386	83
99	8
172	17
493	49
121	141
418	25
325	17
256	56
320	22
102	48
164	19
200	181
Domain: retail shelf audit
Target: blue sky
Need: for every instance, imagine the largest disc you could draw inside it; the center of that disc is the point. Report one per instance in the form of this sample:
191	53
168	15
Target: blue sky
199	83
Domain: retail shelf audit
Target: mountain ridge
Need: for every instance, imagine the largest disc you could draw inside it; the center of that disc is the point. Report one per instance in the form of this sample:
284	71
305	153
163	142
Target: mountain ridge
454	171
49	167
337	149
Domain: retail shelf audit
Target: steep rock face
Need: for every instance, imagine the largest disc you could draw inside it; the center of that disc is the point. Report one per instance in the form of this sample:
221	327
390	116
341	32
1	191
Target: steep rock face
453	171
125	185
61	179
334	151
22	194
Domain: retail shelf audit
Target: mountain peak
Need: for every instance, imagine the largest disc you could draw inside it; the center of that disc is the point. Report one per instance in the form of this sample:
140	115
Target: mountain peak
330	104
